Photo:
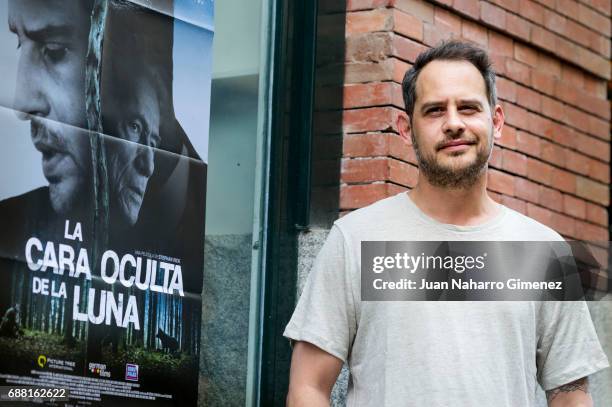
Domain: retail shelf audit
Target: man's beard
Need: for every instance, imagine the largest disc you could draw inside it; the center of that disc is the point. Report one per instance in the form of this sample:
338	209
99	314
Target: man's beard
448	177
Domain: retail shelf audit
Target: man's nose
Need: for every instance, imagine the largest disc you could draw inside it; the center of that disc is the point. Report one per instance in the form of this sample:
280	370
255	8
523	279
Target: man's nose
30	99
145	161
453	124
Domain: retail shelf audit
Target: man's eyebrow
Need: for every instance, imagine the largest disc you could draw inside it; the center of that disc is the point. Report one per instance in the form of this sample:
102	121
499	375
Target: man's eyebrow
49	32
427	105
470	102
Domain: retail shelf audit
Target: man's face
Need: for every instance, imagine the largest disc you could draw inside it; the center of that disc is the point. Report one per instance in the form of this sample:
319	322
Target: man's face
452	124
50	92
132	115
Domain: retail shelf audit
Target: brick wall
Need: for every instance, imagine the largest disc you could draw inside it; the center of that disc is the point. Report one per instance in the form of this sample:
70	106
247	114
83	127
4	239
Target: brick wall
553	63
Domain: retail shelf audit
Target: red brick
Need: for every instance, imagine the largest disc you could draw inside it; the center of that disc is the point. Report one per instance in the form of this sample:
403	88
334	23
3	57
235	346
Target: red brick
575	117
493	15
447	20
365	145
567	50
475	33
572	76
515	116
547	3
554	22
603	6
513	203
594	20
526	190
563	224
532	11
525	54
468	7
402	149
499	64
552	108
566	92
359	170
358	196
370	47
399	69
407	25
568	7
527	143
574	206
368	94
552	153
511	5
506	89
356	72
518	71
595	105
368	21
421	10
495	196
578	33
550	198
596	214
540	214
393	189
593	147
496	157
500	182
596	87
539	171
540	125
518	26
402	173
369	119
599	171
433	35
514	162
508	138
353	5
577	162
543	38
542	82
563	180
599	128
406	49
500	44
589	232
562	134
549	66
528	98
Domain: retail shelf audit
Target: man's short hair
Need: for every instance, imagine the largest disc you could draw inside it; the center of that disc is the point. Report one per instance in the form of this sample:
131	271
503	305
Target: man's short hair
452	50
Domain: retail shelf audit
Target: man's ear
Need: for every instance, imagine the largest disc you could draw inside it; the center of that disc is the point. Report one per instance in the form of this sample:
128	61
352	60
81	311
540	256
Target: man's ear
404	128
498	121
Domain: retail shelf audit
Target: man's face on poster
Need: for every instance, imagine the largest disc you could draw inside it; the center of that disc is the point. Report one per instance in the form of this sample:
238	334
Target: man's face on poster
132	115
52	38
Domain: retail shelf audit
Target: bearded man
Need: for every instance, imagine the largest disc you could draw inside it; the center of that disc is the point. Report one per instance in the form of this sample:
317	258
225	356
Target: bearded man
422	353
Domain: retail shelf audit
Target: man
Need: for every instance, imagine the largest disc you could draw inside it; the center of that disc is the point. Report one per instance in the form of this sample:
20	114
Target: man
438	353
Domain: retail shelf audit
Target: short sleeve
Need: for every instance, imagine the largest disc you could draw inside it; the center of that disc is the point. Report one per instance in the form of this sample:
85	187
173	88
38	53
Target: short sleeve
325	312
568	347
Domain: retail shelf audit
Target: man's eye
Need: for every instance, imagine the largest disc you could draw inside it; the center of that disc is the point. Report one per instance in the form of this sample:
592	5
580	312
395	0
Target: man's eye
468	109
135	129
434	110
54	52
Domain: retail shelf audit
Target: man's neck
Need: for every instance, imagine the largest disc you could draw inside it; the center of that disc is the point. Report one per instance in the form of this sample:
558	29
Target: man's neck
463	206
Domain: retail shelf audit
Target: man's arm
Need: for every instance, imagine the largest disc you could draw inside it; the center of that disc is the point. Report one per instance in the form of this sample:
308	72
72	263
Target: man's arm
313	374
574	394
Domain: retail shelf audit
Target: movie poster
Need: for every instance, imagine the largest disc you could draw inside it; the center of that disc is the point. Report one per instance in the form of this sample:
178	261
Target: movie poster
104	110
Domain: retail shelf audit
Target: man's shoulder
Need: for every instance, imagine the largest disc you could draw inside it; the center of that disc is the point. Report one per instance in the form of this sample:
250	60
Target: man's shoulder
529	228
375	216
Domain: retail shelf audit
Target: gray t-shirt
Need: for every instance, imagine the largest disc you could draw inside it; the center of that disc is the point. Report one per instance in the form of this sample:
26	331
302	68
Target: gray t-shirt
439	353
